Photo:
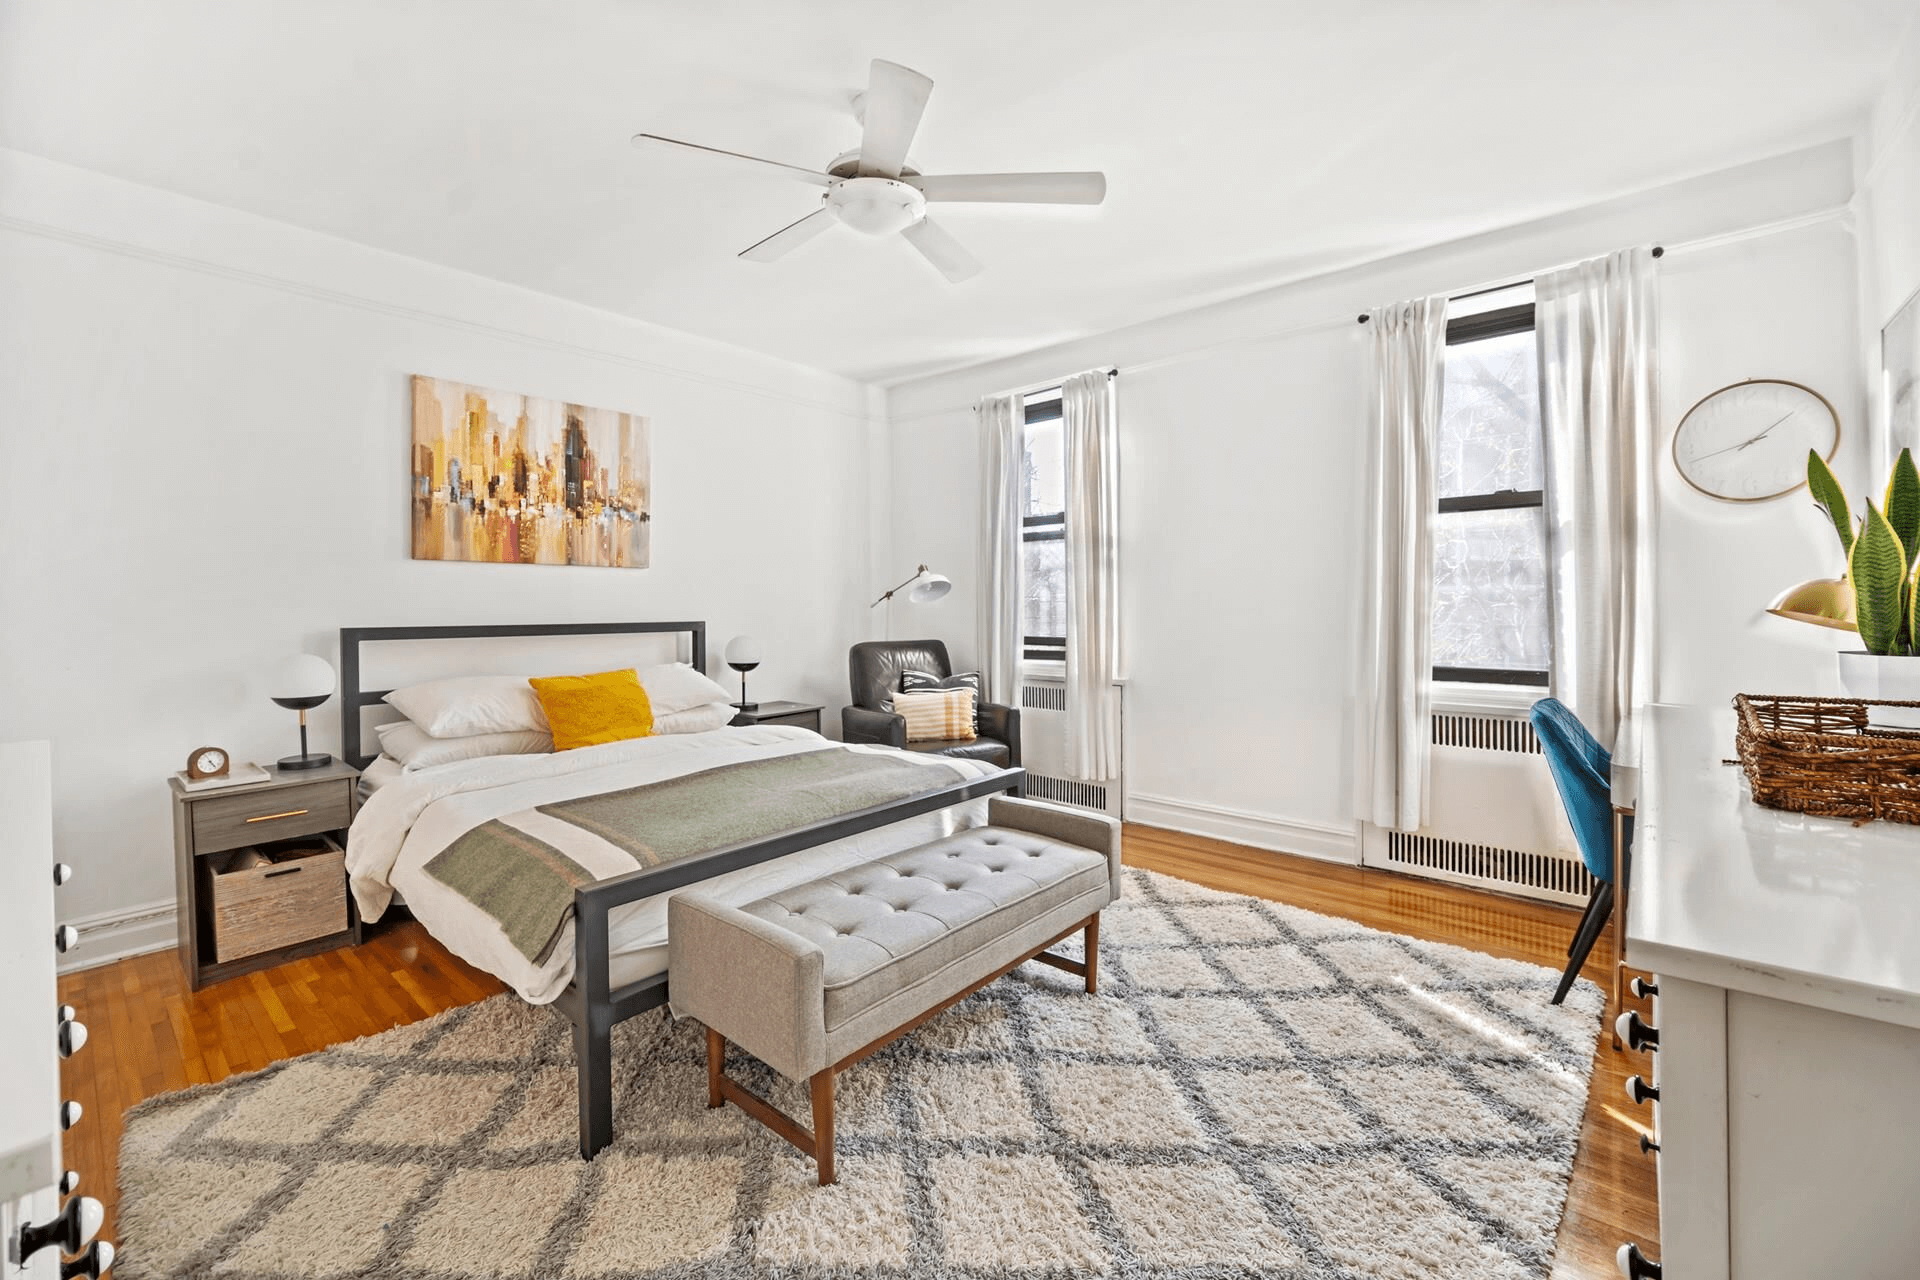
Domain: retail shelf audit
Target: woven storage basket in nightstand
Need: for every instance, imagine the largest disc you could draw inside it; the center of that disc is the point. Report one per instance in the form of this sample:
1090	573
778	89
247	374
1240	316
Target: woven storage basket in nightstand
1822	756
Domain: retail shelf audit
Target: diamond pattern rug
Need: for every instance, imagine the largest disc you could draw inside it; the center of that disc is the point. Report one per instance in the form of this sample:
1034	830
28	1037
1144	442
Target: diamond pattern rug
1258	1091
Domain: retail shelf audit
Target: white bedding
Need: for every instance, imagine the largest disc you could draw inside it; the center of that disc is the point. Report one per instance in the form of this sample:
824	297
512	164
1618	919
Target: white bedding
413	816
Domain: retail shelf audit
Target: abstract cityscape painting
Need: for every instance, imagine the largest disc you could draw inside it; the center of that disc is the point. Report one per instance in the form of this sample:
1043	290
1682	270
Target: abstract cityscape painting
512	479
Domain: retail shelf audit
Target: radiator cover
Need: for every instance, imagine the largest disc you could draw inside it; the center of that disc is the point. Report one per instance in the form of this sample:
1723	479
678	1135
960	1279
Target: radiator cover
1043	750
1494	818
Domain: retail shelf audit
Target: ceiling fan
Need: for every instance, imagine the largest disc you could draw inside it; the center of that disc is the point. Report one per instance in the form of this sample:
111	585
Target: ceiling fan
874	190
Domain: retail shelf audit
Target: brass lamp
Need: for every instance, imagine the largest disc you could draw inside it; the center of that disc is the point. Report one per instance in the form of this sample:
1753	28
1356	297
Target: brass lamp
1823	602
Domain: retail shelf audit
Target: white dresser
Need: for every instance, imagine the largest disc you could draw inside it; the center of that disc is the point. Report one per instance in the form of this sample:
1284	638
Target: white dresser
33	1034
1787	951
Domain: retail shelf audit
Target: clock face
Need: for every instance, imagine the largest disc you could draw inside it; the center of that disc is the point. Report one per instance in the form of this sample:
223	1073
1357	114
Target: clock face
1749	442
207	762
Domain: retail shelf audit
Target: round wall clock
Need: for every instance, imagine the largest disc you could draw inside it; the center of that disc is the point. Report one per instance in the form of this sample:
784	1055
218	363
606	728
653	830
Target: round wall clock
1749	442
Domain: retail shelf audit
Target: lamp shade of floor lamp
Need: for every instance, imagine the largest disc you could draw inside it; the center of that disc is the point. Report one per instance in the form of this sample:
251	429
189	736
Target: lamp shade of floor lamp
303	682
743	655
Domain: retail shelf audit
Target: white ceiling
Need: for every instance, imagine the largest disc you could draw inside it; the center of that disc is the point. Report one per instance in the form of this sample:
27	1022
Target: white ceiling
1244	143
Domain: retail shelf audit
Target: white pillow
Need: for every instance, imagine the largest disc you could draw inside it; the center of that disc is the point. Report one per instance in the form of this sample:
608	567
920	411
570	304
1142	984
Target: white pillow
676	686
414	748
700	719
467	705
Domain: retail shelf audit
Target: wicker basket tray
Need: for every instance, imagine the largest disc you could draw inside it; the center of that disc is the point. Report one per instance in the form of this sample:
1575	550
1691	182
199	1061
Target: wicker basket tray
1820	756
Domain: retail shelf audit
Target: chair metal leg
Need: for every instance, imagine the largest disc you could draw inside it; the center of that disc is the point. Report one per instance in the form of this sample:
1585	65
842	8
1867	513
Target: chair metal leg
1590	927
593	1050
1593	907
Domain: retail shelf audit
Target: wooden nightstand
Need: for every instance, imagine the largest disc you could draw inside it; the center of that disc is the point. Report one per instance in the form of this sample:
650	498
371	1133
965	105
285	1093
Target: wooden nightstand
804	714
260	870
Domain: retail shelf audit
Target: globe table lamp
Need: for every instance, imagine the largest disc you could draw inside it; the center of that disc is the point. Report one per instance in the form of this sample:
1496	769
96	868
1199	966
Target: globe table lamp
743	655
303	682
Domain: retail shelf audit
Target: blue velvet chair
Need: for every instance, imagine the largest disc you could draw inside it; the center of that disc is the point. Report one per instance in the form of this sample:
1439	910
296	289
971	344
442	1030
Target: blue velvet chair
1582	770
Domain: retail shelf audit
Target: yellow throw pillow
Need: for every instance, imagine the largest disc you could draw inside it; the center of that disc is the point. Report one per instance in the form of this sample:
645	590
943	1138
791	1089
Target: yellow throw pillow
584	711
937	716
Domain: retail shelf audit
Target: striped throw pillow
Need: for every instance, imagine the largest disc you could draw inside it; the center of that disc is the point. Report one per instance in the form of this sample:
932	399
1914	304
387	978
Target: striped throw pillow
937	715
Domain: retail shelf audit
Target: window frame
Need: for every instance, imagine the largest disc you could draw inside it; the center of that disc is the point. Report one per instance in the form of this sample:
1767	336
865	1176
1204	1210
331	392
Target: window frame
1497	323
1044	527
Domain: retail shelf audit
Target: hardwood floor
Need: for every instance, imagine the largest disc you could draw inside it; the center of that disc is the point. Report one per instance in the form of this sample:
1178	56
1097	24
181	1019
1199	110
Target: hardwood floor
152	1035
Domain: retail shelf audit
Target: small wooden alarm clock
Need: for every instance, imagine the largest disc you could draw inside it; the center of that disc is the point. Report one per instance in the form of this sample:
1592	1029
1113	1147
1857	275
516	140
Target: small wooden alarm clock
207	762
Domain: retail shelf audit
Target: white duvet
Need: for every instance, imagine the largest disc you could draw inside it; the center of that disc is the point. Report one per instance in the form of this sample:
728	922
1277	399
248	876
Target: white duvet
415	815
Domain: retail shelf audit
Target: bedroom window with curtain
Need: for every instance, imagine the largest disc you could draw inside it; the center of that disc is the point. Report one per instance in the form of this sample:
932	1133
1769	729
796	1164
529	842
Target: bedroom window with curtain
1043	533
1491	585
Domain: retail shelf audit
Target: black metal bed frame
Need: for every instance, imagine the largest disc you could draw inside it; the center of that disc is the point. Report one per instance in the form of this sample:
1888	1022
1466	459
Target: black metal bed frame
591	1001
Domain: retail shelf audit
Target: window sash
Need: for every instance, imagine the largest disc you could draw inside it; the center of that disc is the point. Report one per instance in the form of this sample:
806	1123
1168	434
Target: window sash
1476	328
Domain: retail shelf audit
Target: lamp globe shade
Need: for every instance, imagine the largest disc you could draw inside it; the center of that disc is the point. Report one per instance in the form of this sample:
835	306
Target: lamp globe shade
930	587
743	651
302	681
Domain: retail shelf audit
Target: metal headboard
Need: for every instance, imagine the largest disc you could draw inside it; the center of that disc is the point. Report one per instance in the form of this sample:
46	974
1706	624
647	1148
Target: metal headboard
354	699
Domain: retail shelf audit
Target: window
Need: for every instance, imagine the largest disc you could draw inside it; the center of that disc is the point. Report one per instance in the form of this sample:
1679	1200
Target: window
1043	547
1490	578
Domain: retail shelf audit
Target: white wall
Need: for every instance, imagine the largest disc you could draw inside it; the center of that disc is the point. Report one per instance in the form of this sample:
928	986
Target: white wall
206	424
1242	429
1888	203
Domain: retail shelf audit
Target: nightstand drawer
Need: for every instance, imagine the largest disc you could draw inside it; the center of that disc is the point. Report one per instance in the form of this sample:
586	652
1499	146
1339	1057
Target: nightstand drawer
259	905
232	822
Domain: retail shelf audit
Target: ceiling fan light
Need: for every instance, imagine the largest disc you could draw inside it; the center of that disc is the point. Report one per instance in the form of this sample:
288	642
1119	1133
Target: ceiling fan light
876	206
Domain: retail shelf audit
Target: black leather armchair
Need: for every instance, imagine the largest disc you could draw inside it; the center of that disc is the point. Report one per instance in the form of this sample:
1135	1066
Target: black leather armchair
873	670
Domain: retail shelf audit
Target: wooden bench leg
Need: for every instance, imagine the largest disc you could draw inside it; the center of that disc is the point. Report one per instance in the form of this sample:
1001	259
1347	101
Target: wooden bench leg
1092	949
820	1084
716	1067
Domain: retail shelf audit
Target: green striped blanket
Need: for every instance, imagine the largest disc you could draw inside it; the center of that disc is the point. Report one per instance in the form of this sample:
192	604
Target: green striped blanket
522	869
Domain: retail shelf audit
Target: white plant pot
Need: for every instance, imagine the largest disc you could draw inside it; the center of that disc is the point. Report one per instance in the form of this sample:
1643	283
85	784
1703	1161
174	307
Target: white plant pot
1876	676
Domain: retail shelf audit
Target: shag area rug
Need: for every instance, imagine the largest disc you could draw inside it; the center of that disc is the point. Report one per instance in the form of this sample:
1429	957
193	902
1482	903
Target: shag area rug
1258	1091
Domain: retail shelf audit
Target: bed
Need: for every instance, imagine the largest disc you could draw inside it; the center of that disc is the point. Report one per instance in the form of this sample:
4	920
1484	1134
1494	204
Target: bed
607	961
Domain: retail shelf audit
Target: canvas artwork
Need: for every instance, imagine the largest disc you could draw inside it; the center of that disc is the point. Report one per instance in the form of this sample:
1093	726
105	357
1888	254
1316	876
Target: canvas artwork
512	479
1900	365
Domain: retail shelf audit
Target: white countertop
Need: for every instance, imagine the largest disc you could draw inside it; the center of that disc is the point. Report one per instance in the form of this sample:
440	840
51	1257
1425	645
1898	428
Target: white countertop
1813	910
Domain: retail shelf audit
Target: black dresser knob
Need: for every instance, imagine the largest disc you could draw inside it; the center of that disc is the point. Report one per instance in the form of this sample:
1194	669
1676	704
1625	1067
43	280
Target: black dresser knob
1640	1091
1643	989
1647	1145
61	874
73	1037
1635	1265
76	1224
95	1262
69	1182
70	1113
65	938
1637	1034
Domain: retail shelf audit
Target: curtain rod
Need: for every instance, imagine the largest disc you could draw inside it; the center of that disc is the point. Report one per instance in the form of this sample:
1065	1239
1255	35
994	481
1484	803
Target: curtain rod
1050	384
1658	252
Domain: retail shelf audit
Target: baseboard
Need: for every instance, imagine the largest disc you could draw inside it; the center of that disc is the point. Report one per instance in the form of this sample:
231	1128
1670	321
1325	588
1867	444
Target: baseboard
1243	826
126	931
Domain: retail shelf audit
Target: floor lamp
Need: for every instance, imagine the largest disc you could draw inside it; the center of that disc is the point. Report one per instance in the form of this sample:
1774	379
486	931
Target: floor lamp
924	587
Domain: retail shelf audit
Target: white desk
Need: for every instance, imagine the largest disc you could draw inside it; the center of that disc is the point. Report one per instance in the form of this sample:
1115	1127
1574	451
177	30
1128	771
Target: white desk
1787	951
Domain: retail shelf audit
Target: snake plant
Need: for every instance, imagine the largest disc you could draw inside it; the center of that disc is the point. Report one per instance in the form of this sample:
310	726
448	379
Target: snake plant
1882	551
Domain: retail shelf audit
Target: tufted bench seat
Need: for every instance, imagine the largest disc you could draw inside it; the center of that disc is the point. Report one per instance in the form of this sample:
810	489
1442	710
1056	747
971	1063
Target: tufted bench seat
815	977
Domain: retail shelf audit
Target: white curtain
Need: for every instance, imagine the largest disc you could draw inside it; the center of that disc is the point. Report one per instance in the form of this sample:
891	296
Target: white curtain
1599	412
1092	444
1003	454
1396	665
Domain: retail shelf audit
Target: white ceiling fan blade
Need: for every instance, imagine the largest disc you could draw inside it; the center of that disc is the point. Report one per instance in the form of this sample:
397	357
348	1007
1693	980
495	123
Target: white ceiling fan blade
788	238
1014	188
896	97
791	170
943	251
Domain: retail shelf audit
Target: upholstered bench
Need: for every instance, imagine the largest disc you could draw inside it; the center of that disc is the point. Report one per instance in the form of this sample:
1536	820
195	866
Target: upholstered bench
814	978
